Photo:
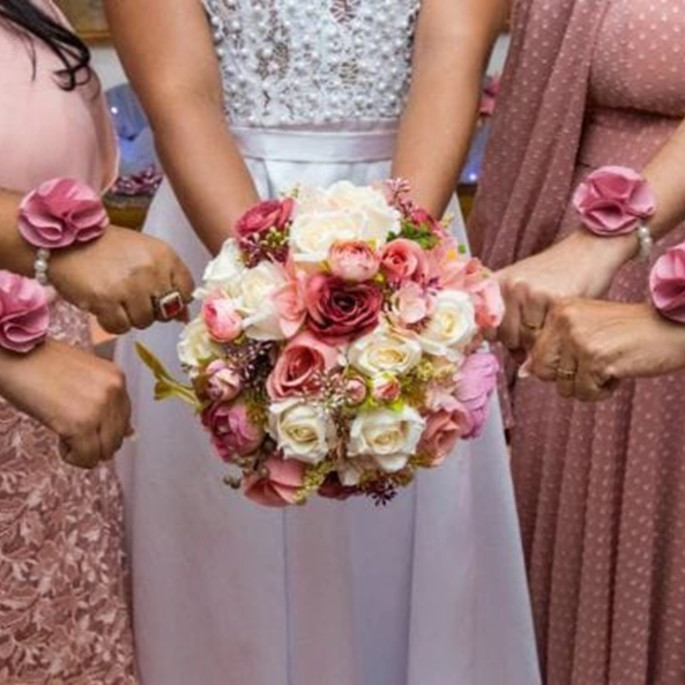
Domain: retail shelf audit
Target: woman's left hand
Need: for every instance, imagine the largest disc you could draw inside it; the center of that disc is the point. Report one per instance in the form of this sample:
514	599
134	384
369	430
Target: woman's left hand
581	265
588	346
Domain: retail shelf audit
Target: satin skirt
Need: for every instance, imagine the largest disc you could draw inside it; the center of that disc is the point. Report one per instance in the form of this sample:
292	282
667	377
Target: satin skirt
429	590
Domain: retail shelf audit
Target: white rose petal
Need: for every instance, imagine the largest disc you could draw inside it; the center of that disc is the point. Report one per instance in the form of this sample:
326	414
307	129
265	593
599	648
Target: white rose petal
351	471
388	436
451	327
252	297
224	270
381	219
303	431
312	235
384	351
195	346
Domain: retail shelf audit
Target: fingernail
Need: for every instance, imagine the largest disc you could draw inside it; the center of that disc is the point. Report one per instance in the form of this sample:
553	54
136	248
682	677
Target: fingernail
524	369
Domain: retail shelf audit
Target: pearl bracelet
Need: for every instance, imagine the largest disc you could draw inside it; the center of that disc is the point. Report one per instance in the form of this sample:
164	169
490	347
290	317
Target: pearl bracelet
644	237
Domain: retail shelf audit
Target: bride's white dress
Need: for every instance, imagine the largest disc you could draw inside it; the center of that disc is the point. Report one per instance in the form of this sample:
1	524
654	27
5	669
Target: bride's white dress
429	590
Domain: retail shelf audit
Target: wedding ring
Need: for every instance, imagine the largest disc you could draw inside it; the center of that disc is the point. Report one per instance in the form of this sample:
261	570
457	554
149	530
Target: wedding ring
531	327
169	306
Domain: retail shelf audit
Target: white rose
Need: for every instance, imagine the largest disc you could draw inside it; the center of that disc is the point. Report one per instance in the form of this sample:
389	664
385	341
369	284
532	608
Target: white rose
380	218
252	296
388	436
303	431
195	346
224	270
312	234
384	351
451	327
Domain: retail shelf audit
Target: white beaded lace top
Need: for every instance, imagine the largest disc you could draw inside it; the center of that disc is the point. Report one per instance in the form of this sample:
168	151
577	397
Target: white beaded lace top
313	62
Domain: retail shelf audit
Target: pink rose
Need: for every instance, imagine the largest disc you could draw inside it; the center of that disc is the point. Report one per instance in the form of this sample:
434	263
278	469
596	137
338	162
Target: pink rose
667	283
420	217
489	303
476	381
223	323
353	260
386	389
233	432
411	304
404	260
444	428
613	200
301	367
223	382
355	390
60	213
259	220
290	305
280	486
449	267
24	314
340	312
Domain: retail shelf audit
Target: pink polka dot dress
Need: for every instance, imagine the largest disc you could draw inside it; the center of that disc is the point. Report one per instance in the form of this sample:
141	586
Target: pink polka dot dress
600	488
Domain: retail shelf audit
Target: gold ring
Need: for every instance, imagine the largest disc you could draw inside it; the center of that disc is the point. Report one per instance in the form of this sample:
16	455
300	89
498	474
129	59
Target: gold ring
566	374
530	326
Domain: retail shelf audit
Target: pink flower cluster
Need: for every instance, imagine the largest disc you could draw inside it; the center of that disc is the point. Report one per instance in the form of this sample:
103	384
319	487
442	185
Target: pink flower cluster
613	200
60	213
339	348
24	315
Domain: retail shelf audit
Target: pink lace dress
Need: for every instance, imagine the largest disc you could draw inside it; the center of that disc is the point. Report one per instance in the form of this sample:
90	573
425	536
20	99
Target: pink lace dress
63	608
601	488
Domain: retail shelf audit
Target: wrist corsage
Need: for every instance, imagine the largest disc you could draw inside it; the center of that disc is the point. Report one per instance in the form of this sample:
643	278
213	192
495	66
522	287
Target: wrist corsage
24	315
58	214
614	201
667	284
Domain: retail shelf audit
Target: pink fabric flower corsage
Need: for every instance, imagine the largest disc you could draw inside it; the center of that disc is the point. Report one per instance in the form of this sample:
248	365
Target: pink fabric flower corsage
24	315
613	201
667	284
60	213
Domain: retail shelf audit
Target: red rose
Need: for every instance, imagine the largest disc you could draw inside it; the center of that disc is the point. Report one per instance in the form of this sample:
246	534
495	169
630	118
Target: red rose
256	223
339	312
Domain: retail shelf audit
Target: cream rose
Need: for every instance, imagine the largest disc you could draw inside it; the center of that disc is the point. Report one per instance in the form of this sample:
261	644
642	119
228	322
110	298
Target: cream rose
302	430
384	351
451	326
340	213
223	271
195	346
381	218
389	437
313	234
252	296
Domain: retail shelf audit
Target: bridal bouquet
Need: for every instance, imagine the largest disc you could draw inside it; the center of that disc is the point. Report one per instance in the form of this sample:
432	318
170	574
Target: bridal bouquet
339	347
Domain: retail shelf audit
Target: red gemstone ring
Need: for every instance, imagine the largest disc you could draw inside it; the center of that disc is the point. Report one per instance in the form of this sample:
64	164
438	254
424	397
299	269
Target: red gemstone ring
168	307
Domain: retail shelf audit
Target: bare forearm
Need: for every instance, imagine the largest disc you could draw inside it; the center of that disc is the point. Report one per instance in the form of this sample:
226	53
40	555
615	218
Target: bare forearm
206	169
15	253
454	39
436	128
666	176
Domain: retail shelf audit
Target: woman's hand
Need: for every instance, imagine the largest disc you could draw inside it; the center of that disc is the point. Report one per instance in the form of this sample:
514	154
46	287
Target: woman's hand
118	277
587	346
582	265
78	396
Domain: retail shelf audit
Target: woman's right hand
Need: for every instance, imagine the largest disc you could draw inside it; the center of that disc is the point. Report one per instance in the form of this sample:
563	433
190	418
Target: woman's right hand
75	394
581	265
117	278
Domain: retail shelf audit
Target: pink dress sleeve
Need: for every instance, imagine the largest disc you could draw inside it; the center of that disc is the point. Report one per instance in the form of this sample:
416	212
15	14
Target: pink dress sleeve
47	132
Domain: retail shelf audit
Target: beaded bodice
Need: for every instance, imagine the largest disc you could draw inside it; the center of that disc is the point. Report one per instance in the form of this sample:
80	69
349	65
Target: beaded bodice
313	62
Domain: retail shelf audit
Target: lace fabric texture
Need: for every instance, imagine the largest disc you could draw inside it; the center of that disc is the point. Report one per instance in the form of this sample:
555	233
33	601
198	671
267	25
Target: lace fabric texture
63	608
313	62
